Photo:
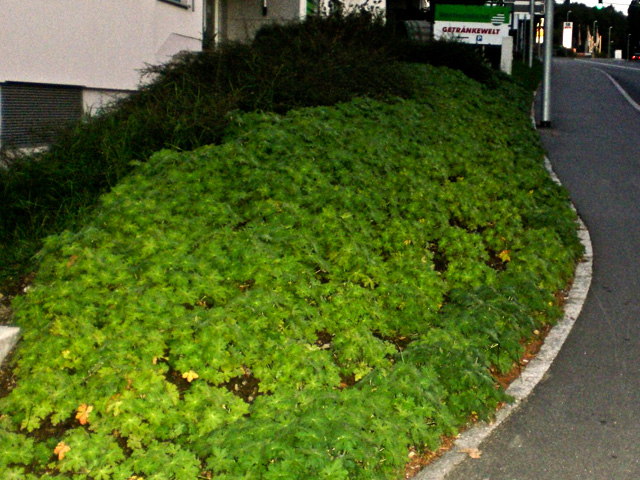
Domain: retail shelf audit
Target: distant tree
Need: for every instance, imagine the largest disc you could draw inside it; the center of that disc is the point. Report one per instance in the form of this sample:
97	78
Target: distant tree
584	18
633	20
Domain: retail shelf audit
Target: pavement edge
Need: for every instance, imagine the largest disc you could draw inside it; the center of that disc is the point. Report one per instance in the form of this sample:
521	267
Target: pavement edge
535	370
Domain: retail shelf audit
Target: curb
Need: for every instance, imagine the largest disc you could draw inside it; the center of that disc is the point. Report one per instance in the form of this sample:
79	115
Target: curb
534	371
8	338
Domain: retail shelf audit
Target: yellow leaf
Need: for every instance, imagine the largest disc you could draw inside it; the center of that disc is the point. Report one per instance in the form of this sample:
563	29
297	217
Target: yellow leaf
472	452
504	256
190	376
83	413
61	450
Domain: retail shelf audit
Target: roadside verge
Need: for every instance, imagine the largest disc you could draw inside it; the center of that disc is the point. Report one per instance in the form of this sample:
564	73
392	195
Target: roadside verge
470	440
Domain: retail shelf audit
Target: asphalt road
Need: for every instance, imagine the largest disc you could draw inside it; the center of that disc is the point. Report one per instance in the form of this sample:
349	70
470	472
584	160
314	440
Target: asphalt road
582	421
624	73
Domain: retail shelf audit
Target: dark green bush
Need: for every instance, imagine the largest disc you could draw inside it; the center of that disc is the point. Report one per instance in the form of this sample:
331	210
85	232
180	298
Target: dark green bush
455	55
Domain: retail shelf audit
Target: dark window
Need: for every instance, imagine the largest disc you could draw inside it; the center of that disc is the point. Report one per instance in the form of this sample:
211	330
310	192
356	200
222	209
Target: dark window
32	114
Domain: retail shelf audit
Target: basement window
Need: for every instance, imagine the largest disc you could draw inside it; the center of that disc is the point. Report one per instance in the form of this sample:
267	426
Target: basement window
33	115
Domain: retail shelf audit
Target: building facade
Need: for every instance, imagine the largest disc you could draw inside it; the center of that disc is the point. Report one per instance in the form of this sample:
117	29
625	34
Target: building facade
61	59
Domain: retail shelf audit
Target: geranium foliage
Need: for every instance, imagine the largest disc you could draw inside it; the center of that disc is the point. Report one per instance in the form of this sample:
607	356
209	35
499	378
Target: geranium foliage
309	299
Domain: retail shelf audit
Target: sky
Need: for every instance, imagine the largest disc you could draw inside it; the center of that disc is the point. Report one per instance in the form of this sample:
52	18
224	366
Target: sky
621	5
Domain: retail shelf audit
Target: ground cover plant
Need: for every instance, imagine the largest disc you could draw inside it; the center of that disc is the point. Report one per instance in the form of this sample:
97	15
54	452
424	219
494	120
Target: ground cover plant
308	299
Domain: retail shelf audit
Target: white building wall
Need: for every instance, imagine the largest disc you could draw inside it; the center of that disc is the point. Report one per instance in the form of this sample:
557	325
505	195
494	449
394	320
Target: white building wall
241	19
378	6
94	101
93	43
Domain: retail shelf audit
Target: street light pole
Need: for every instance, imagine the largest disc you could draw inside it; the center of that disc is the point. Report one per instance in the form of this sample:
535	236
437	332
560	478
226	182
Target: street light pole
532	39
548	58
595	36
628	52
609	47
571	31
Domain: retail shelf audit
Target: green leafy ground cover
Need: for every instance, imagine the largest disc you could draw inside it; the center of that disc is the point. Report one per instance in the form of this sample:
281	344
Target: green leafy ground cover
308	299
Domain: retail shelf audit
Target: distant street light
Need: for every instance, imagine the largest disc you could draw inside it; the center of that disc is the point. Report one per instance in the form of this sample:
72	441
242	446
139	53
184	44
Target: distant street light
609	47
568	15
628	52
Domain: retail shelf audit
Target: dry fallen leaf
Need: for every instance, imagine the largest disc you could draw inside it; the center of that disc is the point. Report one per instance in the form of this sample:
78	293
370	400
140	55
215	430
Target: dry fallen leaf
61	449
83	413
472	452
72	260
190	376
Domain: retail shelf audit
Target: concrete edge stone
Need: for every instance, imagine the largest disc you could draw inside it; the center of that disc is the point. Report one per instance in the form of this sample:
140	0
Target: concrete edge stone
535	370
8	338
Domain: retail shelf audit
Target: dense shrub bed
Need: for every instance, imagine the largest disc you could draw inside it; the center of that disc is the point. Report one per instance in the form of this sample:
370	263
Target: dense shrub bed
309	299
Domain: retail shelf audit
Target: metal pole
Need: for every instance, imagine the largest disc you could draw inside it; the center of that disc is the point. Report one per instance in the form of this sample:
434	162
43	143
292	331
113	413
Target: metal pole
548	58
532	34
628	54
609	47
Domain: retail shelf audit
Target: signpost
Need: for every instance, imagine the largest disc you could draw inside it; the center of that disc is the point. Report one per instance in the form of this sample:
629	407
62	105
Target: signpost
477	25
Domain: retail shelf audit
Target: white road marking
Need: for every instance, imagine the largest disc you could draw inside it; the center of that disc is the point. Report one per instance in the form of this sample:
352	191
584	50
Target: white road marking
622	91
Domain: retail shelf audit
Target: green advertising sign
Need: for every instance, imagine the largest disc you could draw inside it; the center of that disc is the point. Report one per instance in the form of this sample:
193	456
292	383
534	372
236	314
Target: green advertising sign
473	14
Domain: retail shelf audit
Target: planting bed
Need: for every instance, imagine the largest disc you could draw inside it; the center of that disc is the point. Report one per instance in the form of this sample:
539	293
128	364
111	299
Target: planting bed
316	297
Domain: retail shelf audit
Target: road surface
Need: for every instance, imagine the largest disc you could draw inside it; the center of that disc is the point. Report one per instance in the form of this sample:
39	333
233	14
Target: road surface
582	421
